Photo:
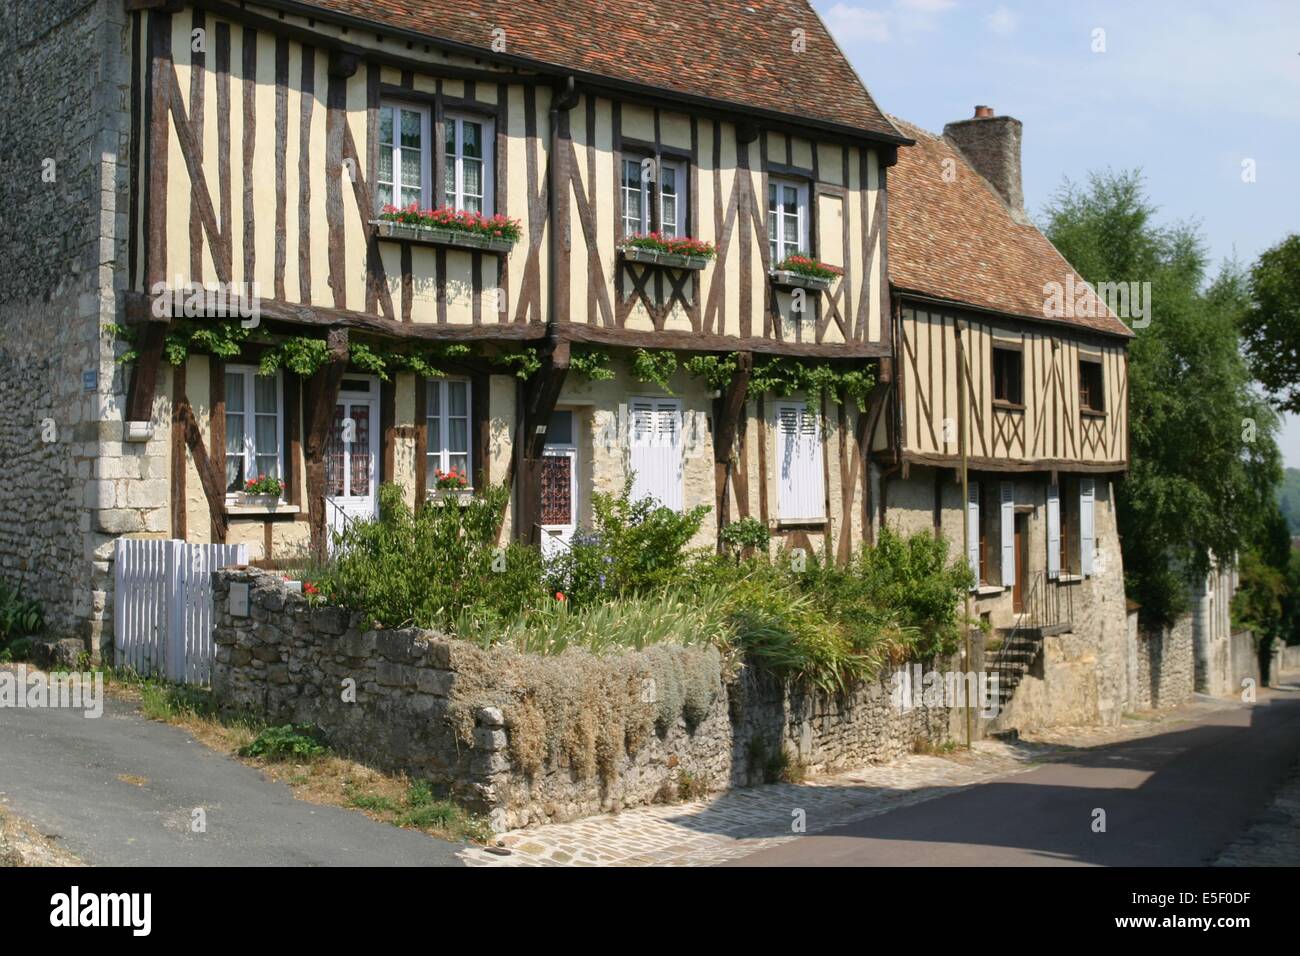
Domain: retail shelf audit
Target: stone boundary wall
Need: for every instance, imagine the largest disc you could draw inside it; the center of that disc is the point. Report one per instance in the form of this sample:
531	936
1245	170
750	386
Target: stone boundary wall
1289	658
1166	666
638	727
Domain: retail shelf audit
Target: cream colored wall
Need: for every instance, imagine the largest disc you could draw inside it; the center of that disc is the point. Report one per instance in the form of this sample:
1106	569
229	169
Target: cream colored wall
1051	424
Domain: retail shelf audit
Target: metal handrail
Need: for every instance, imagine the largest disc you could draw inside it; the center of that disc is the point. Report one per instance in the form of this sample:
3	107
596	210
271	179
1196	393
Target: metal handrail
1041	607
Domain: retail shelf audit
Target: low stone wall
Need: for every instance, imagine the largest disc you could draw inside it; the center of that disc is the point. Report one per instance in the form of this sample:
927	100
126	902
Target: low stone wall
1166	666
525	739
1288	658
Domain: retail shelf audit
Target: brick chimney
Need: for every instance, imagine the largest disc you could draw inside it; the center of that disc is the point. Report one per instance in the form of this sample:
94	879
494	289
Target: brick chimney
991	144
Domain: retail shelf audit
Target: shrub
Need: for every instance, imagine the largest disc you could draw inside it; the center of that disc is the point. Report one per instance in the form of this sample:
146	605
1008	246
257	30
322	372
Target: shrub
19	616
428	567
745	534
285	743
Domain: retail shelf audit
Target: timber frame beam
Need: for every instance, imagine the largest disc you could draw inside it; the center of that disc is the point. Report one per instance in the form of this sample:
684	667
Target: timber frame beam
542	394
729	408
321	395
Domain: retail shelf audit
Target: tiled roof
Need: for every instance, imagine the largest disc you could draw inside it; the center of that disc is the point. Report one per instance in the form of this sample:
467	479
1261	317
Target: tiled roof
732	51
956	240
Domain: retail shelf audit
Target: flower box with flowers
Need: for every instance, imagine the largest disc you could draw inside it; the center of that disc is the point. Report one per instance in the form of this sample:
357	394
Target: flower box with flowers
452	485
448	227
675	253
264	491
801	272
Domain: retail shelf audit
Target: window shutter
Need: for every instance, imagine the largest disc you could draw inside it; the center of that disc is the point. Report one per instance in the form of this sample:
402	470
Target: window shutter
656	451
1008	533
973	528
802	493
1053	531
1087	534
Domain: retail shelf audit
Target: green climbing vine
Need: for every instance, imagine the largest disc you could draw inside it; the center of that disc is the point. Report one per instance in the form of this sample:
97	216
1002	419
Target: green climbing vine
654	367
716	371
592	364
785	376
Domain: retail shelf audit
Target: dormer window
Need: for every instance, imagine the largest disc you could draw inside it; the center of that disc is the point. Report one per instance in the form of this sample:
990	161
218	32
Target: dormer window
787	218
638	193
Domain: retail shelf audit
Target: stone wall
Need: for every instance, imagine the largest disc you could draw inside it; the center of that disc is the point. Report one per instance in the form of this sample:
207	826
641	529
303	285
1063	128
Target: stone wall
1166	667
64	125
465	719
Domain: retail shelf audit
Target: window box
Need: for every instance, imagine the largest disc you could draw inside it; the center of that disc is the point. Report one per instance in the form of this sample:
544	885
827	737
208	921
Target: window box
671	260
795	280
256	501
456	496
240	507
388	229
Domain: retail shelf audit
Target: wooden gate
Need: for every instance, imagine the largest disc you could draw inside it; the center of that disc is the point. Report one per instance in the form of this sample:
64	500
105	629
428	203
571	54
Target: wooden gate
162	605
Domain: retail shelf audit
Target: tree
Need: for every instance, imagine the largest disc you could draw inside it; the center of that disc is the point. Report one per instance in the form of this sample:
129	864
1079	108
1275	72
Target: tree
1204	463
1271	326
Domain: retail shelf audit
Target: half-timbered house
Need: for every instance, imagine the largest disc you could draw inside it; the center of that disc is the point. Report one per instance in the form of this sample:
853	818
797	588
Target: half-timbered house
271	137
1014	371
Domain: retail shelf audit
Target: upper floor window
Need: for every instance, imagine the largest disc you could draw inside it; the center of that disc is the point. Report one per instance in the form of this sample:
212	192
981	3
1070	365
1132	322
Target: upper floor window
403	155
254	426
1092	396
787	218
638	194
1007	376
447	419
468	156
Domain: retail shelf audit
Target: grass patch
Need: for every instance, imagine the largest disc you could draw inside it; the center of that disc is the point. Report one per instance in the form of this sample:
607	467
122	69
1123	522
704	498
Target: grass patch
285	743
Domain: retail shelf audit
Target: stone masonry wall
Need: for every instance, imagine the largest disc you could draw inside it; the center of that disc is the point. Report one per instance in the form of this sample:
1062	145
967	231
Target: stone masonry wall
64	130
287	662
1166	666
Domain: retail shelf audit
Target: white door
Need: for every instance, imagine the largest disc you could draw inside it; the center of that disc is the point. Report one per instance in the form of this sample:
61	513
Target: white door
352	454
801	487
559	514
656	450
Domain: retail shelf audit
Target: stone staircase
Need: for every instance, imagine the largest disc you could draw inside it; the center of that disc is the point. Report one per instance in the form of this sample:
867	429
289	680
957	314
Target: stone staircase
1019	646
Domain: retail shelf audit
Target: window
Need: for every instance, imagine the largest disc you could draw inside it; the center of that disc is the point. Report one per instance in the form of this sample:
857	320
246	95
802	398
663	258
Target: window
787	218
468	161
403	155
1092	396
1007	377
447	419
254	426
802	495
656	450
637	194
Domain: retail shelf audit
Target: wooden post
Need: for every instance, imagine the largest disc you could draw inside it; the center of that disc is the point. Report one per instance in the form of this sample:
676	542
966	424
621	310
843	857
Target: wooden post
322	395
728	410
543	393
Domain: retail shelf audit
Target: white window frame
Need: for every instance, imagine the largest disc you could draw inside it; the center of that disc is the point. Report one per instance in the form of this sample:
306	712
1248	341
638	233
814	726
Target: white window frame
782	247
426	140
787	510
651	197
455	160
249	414
443	454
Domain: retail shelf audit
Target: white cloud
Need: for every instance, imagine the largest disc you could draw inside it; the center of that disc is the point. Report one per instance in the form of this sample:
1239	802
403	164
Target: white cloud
1001	21
849	22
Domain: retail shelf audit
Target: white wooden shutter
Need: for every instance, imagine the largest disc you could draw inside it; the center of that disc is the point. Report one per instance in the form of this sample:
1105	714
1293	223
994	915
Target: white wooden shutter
656	450
1087	532
973	528
802	494
1008	533
1053	531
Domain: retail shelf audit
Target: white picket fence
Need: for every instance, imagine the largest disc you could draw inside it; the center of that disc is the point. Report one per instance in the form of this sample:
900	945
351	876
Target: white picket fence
162	607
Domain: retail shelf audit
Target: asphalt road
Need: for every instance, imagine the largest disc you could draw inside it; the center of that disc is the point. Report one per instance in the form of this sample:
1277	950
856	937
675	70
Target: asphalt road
1175	799
63	773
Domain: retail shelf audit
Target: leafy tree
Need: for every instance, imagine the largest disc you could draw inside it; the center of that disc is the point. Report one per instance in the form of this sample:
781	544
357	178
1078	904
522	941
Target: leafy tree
1204	463
1271	326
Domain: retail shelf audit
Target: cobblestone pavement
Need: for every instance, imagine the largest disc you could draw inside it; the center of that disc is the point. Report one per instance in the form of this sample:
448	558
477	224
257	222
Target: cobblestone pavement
1272	837
737	823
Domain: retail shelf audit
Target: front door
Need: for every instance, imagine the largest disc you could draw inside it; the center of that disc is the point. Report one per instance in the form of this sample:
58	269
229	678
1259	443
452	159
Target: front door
352	454
1021	544
559	483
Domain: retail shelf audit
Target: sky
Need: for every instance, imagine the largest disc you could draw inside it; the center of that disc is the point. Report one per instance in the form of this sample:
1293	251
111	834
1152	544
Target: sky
1186	91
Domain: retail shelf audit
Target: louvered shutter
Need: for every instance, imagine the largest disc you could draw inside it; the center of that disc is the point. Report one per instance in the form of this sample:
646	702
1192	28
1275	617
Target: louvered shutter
1008	533
802	495
1087	532
656	451
973	528
1053	531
